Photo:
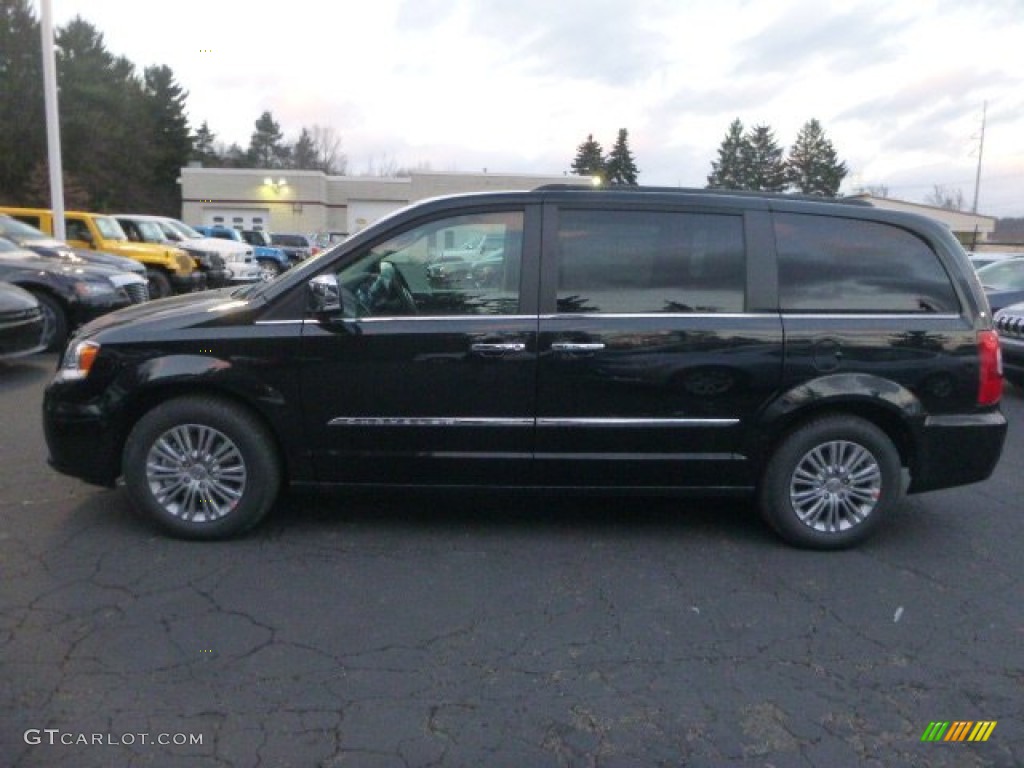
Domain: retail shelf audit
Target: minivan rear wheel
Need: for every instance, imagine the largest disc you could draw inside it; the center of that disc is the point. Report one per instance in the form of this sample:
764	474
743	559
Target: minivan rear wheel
201	468
831	483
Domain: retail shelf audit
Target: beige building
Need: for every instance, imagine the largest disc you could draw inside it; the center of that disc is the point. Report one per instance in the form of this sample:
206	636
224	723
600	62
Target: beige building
311	201
971	229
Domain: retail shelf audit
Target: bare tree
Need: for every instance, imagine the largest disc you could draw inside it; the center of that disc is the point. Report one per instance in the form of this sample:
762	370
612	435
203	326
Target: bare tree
327	150
875	190
943	197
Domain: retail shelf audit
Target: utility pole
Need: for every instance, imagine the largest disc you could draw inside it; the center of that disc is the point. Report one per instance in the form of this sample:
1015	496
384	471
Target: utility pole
52	121
981	148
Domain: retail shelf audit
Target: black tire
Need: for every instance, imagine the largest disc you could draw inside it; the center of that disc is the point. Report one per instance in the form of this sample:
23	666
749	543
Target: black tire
269	269
55	322
831	483
214	461
159	284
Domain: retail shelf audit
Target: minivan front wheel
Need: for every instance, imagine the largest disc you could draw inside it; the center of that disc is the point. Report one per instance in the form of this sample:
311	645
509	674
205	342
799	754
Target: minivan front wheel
201	468
831	483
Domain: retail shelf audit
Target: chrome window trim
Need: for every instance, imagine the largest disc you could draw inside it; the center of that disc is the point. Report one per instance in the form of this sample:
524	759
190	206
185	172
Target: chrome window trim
497	421
389	318
659	315
873	315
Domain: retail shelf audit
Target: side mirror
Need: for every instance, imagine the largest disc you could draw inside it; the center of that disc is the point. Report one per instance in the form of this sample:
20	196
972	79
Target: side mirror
323	295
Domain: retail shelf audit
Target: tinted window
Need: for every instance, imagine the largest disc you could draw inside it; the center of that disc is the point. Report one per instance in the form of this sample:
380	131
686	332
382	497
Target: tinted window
828	264
645	262
474	278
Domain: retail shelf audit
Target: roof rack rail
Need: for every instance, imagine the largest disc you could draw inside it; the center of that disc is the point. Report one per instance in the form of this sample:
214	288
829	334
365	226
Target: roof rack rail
702	191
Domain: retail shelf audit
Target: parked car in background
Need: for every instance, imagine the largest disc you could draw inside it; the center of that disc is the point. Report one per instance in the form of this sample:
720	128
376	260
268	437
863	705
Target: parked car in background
21	323
68	295
296	245
1009	322
820	357
1003	282
27	236
168	269
142	229
246	270
238	257
273	261
981	259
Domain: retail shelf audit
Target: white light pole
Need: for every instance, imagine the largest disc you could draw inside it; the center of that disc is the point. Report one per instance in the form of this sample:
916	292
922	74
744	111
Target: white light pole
52	121
981	148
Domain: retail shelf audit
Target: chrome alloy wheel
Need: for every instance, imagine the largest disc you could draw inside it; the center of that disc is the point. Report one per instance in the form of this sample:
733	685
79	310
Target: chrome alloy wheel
835	486
195	473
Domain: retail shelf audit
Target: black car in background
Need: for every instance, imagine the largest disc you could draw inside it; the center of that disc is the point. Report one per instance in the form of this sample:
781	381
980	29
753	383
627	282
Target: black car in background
68	295
819	357
21	323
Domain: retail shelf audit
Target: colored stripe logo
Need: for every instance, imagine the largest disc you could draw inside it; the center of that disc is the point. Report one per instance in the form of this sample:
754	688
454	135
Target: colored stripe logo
959	730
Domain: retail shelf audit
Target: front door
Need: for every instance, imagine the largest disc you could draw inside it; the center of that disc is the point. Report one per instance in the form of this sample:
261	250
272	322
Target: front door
430	376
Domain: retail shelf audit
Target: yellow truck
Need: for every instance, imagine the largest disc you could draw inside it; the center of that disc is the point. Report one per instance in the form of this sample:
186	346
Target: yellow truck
168	269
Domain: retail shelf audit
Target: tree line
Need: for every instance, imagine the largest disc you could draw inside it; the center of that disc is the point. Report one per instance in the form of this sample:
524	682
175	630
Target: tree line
747	160
125	135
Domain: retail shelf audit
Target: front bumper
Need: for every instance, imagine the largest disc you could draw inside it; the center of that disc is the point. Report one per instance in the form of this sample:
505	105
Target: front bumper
244	271
217	278
196	281
84	310
957	450
21	333
80	440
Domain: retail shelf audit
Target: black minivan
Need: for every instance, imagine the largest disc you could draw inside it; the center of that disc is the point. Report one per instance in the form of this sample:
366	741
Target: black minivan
824	357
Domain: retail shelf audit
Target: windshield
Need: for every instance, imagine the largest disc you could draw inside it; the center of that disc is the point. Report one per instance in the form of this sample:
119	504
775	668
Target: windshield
109	228
150	231
1003	274
20	230
182	228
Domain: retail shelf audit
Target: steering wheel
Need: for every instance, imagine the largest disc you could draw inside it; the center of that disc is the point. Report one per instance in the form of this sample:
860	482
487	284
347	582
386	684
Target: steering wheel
388	289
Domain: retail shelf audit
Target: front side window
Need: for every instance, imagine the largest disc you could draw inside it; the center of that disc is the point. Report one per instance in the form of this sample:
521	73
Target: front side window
641	262
834	265
460	265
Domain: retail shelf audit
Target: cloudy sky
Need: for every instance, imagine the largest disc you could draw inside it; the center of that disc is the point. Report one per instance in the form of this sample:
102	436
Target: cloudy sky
516	85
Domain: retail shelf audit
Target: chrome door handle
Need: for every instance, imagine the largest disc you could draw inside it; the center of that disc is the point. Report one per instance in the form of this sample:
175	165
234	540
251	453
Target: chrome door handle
498	349
565	346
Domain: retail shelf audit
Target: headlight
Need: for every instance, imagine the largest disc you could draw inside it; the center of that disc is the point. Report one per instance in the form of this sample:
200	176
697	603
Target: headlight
78	360
91	290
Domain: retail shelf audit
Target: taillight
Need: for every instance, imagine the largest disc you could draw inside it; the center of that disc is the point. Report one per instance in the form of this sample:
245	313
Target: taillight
990	381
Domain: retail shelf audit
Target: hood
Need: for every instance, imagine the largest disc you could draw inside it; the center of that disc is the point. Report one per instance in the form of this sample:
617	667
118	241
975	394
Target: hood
175	312
32	262
15	299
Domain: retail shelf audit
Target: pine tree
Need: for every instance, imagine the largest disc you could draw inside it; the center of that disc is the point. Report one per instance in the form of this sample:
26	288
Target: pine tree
265	147
762	158
729	172
171	138
106	130
304	156
813	167
589	159
620	167
22	122
204	147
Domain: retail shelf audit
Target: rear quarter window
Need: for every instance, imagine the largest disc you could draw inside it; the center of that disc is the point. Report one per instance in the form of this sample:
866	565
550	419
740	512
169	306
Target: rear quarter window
836	265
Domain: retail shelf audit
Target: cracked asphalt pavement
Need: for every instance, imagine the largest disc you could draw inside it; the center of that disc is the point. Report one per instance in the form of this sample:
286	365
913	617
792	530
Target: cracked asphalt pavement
448	630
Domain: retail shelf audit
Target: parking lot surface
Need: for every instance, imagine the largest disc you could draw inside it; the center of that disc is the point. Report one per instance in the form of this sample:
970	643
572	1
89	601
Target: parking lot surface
428	629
